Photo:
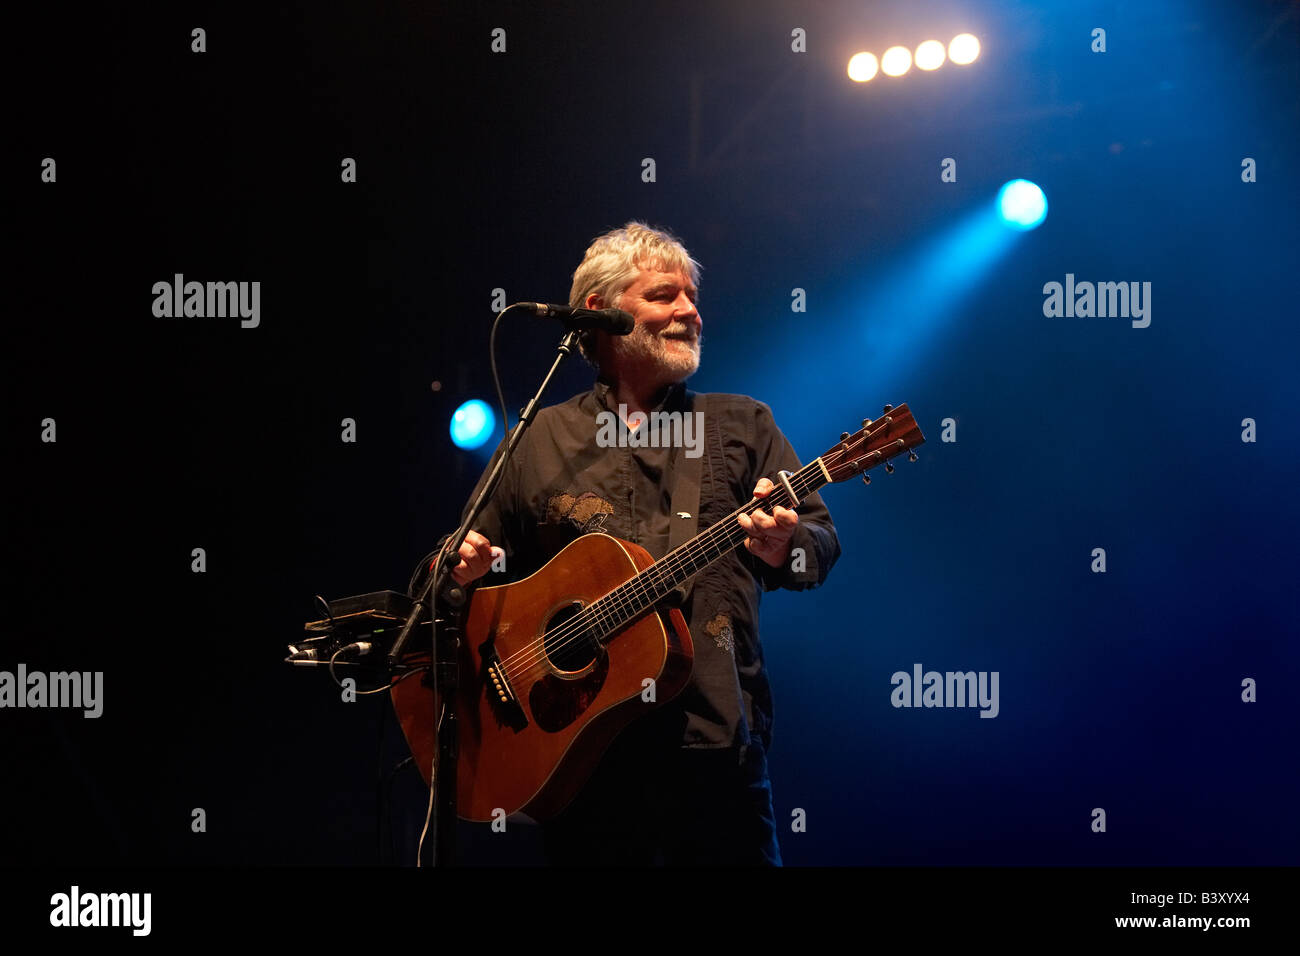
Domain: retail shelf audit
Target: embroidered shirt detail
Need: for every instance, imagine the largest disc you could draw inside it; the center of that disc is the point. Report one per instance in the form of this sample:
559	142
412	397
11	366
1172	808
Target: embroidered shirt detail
587	512
720	630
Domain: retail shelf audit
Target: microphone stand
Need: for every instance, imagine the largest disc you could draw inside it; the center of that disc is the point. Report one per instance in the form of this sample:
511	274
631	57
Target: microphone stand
446	640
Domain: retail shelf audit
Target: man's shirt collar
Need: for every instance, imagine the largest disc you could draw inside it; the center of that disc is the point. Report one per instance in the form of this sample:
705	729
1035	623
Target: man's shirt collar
672	396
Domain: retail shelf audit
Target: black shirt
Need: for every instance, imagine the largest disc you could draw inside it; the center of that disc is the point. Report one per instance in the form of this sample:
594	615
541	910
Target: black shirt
562	482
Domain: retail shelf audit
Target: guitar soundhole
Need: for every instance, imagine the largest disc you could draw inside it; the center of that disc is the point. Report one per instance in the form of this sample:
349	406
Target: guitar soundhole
570	647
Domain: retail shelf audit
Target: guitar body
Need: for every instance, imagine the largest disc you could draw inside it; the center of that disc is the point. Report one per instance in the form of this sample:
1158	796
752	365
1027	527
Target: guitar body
568	693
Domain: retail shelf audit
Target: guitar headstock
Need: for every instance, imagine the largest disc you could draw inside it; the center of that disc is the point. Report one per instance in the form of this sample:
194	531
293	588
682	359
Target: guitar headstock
893	433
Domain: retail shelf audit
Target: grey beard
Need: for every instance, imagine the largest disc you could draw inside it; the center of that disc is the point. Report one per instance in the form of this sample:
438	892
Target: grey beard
647	353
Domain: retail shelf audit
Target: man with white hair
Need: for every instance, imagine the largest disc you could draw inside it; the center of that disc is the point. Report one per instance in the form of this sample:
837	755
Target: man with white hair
688	783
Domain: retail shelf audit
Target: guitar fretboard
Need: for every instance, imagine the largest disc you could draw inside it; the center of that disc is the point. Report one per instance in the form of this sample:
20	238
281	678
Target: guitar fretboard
607	615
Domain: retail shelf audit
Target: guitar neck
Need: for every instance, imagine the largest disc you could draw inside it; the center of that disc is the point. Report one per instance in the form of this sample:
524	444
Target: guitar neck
638	594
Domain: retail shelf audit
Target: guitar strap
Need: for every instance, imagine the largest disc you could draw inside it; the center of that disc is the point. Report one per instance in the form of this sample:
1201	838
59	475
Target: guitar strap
685	521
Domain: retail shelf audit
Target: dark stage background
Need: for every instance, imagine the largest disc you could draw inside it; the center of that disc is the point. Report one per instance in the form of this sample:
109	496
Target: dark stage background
477	171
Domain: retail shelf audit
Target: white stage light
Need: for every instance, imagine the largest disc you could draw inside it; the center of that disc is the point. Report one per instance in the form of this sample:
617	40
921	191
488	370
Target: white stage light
929	55
862	67
896	61
963	49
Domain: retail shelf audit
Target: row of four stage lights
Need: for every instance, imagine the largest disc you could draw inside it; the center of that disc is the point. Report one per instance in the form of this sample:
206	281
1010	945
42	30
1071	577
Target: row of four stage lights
930	55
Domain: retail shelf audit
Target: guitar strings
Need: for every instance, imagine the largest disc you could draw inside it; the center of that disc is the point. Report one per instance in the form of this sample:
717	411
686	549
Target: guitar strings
606	612
637	588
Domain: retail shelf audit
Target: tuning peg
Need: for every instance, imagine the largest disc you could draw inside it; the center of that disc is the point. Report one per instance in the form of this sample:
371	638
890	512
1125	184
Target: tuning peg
889	467
911	456
888	409
866	423
866	479
844	436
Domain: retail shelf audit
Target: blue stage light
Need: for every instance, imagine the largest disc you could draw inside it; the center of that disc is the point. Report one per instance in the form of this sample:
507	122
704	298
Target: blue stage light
472	424
1021	204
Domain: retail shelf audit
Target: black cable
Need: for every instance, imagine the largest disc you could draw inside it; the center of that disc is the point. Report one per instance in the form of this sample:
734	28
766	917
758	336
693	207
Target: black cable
417	578
328	613
496	380
430	818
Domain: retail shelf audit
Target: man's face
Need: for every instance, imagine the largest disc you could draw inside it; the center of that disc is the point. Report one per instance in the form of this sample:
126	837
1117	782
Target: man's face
664	345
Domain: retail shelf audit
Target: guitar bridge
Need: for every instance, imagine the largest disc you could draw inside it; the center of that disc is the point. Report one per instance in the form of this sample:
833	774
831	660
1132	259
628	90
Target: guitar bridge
497	686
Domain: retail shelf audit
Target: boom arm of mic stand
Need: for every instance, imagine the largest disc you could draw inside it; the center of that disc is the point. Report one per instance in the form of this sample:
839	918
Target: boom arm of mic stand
446	678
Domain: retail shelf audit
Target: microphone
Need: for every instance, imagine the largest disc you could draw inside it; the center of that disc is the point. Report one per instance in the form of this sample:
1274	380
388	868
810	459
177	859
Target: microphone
613	321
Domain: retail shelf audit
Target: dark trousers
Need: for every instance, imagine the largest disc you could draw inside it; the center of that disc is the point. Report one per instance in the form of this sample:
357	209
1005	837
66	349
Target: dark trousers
674	806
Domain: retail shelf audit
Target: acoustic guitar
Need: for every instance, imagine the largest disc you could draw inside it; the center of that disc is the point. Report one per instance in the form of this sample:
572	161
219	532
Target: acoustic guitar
553	667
